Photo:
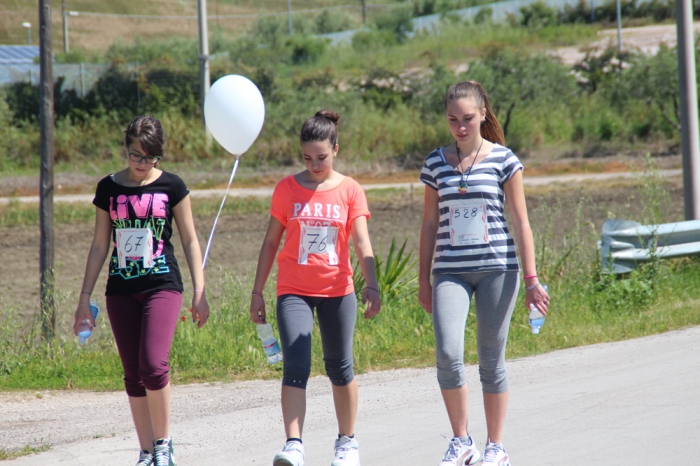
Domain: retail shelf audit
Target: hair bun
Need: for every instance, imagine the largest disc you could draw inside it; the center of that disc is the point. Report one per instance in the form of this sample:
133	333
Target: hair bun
330	115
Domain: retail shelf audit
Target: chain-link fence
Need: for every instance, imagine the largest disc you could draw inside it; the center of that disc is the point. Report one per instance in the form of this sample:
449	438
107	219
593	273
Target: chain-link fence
78	77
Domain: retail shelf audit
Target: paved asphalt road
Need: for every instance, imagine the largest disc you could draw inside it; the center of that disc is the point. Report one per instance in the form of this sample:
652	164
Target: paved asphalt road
625	403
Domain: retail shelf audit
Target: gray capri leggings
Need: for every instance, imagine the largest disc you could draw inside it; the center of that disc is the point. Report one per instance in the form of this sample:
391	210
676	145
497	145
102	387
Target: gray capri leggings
336	321
495	299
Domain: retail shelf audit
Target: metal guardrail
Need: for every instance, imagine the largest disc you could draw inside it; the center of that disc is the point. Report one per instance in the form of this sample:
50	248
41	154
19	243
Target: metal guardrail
628	243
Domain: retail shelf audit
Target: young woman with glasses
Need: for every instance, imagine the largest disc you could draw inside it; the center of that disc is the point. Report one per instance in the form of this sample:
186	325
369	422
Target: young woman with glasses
135	209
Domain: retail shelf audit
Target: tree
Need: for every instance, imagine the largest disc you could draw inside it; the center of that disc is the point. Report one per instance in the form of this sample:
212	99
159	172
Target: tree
511	78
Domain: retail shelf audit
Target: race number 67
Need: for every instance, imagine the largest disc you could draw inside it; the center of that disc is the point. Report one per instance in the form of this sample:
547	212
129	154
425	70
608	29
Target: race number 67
135	243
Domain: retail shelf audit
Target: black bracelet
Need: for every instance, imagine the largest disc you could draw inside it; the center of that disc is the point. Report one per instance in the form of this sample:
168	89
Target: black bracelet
370	288
87	293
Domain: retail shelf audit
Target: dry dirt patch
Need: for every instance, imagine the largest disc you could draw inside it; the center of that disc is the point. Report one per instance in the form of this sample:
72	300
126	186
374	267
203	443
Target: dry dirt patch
238	238
645	39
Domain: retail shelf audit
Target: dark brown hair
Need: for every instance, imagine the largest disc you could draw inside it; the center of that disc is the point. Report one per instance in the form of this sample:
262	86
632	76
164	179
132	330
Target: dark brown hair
321	127
491	129
148	132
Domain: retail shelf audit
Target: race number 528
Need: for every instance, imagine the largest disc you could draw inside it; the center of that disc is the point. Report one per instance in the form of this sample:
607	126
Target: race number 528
469	225
136	243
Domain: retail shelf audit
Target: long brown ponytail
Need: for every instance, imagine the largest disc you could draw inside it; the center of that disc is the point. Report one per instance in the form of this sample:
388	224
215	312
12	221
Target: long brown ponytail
491	129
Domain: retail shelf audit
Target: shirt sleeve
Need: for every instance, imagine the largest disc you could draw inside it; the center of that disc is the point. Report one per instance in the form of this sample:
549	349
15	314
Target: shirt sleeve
101	198
427	175
511	165
278	208
178	190
357	205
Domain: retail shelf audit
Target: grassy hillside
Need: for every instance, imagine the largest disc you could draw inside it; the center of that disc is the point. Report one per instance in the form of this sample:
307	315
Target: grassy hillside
100	32
387	86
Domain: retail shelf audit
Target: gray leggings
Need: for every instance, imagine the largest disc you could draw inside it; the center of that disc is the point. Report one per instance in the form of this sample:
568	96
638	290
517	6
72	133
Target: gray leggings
336	321
495	299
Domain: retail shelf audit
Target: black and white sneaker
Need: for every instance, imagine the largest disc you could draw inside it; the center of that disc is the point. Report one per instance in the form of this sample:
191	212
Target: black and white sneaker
145	458
163	454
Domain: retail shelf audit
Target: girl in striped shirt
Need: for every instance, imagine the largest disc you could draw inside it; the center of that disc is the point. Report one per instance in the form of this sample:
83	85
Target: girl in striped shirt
466	244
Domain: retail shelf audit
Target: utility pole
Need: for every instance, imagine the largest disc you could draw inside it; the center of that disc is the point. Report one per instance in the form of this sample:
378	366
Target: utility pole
64	13
29	32
204	78
689	109
289	15
48	312
364	11
619	31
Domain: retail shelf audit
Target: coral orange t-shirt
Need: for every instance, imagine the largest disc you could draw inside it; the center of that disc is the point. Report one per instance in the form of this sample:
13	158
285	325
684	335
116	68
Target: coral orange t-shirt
315	258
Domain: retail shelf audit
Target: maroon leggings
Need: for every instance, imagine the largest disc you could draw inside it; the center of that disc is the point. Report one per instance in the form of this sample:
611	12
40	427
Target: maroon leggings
143	326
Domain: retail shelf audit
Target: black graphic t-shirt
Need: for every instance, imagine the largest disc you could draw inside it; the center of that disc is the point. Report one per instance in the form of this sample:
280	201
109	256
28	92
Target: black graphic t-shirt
142	224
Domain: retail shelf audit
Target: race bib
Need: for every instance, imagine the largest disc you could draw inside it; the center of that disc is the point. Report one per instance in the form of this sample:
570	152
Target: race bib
318	240
469	224
135	243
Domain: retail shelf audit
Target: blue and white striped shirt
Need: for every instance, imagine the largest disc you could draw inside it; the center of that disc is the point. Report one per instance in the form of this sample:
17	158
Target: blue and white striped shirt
486	188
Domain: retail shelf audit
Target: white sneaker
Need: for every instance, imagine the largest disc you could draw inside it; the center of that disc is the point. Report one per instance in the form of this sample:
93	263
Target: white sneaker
459	454
347	452
292	454
495	455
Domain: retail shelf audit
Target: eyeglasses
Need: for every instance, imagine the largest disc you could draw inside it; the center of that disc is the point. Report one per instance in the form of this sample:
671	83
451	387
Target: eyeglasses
148	158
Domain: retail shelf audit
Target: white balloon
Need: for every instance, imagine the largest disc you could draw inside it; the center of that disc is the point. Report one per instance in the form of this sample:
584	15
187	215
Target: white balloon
234	112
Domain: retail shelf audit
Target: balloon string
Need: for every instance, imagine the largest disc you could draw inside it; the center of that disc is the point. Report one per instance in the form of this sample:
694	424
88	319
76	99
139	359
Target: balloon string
216	220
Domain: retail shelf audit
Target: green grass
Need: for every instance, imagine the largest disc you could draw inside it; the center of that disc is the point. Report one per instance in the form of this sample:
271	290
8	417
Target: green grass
27	214
27	450
583	312
19	214
468	43
588	306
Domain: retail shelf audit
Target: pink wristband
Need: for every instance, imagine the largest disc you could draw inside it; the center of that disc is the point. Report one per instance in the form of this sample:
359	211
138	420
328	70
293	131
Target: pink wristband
530	276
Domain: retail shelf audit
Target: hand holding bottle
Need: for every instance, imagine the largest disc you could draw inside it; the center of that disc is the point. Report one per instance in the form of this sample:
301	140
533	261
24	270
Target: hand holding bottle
85	317
257	307
538	312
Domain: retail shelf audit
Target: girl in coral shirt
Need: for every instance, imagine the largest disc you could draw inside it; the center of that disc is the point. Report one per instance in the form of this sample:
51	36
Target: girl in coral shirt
317	210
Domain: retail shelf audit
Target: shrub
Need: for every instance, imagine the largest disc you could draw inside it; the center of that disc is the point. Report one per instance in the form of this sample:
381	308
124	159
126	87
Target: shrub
175	49
538	15
366	40
512	80
484	15
607	127
396	274
328	22
399	21
306	48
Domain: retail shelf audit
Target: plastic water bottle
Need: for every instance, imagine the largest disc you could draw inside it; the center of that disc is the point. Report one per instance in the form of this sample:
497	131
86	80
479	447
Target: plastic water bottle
536	317
269	342
85	329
